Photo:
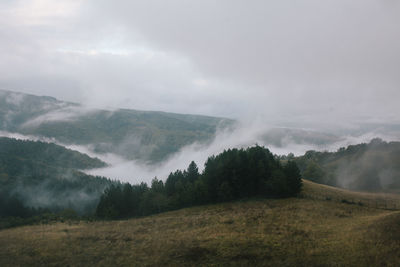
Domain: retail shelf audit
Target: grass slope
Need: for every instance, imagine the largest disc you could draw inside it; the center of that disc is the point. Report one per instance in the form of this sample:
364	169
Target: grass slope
316	191
288	232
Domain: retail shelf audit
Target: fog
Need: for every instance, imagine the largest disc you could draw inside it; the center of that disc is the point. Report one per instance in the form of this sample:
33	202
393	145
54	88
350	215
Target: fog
322	61
68	113
320	66
243	136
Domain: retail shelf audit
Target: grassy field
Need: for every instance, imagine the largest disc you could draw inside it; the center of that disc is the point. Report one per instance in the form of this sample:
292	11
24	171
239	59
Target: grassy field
374	200
306	231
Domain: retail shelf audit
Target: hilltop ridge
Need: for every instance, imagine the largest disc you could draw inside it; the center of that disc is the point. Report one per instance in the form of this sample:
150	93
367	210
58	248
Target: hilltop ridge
150	136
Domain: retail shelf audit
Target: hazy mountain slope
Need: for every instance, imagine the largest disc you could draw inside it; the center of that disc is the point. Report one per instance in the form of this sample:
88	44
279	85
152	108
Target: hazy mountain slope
282	137
43	175
45	153
365	167
18	108
268	232
146	135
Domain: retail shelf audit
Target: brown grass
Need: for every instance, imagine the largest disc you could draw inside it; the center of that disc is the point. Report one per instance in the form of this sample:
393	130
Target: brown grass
313	190
286	232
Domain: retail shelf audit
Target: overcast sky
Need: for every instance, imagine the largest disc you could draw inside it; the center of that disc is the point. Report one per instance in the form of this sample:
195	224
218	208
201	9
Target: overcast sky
274	59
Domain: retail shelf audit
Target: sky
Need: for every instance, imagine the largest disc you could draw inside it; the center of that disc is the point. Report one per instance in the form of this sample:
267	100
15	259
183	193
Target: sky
327	61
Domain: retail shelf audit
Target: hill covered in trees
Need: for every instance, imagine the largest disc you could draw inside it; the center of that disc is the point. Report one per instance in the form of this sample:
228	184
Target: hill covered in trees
38	176
232	175
150	136
364	167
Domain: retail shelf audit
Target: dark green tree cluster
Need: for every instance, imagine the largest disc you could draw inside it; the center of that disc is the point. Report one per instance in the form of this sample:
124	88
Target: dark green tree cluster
45	176
231	175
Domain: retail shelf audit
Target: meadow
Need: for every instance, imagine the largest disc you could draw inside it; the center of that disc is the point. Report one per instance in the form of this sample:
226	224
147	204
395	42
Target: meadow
318	228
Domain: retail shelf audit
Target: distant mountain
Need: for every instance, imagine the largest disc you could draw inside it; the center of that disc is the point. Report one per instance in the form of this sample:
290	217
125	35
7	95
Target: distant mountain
281	137
364	167
43	175
150	136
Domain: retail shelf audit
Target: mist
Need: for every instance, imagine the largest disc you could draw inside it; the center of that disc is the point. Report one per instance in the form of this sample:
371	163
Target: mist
242	136
315	61
278	139
330	68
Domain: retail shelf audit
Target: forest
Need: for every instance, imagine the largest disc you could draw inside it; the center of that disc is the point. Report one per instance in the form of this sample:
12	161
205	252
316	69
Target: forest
373	166
38	178
232	175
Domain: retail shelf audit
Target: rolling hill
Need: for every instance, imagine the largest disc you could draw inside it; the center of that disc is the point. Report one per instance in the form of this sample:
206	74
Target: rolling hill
149	136
305	231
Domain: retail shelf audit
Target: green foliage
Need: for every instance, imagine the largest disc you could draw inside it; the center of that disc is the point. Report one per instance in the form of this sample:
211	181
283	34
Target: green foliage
38	176
231	175
364	167
293	178
314	172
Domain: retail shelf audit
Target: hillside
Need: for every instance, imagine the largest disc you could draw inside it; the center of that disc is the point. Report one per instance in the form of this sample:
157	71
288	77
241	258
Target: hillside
281	137
45	175
146	135
373	167
296	231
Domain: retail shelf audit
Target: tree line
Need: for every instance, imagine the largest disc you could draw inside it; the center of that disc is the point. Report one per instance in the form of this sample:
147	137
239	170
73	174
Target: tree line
234	174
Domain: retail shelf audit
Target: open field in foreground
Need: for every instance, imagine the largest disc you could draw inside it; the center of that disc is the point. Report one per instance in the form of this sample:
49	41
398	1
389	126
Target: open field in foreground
285	232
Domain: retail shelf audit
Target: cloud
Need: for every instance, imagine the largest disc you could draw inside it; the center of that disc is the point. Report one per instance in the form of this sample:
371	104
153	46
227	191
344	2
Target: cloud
14	99
280	141
325	61
243	136
26	137
68	113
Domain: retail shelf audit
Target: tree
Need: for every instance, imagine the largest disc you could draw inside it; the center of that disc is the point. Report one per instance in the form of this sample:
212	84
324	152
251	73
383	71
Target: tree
170	183
314	172
233	174
110	203
157	186
293	178
192	172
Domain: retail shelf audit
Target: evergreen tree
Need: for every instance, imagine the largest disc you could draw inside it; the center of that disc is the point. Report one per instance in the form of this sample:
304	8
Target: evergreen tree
293	178
192	172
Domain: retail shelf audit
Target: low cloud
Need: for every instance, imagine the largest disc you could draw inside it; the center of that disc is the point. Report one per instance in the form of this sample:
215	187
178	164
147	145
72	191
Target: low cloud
69	113
26	137
244	135
280	141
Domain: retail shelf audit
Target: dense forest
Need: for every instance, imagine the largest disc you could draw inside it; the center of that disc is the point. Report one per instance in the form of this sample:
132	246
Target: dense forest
232	175
371	167
37	177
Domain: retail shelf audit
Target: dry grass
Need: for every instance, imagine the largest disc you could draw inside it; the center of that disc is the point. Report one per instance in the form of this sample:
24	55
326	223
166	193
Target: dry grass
287	232
375	200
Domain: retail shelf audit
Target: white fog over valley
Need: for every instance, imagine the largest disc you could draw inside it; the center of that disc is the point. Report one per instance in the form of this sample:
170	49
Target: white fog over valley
298	76
244	135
